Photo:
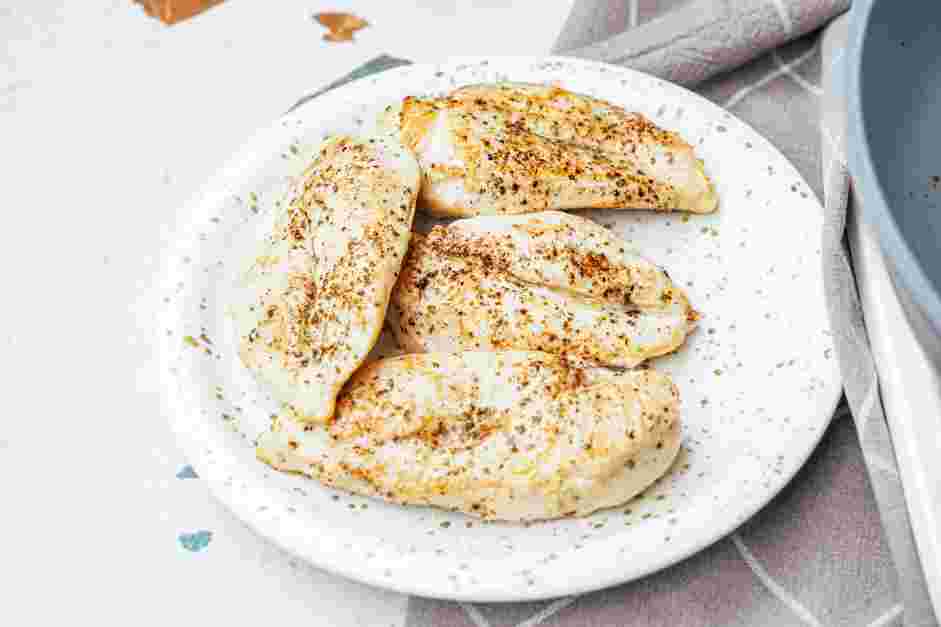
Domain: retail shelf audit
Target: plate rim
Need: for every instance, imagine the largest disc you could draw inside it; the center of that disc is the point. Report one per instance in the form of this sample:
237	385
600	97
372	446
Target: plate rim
178	415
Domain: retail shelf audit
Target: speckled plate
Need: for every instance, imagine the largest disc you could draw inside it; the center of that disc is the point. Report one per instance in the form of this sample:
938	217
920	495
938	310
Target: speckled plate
757	379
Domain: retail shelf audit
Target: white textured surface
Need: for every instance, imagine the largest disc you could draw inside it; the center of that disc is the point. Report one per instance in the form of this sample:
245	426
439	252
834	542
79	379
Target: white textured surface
109	121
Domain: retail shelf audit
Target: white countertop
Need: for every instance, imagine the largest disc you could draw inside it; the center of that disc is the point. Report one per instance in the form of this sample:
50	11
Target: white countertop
108	122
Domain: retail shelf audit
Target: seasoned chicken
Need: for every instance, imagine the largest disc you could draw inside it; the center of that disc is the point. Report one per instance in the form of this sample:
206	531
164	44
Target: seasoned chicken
314	301
561	115
511	436
547	281
512	148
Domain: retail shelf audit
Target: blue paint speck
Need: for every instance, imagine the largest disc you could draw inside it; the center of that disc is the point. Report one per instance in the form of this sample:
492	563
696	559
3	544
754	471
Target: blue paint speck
196	541
187	472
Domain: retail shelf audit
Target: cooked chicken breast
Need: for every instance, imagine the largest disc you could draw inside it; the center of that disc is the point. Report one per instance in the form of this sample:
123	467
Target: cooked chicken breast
547	281
507	148
314	301
558	114
511	436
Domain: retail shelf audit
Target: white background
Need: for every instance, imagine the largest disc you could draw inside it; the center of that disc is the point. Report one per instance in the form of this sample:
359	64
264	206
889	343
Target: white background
109	121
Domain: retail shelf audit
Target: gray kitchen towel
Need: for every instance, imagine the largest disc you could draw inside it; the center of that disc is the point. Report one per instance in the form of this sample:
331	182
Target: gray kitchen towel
818	554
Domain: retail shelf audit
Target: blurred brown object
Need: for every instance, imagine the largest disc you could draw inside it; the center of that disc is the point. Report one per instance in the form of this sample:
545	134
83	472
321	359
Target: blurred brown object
173	11
341	26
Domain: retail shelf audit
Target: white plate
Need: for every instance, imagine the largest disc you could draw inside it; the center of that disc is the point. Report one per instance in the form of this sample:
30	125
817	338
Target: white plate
757	380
